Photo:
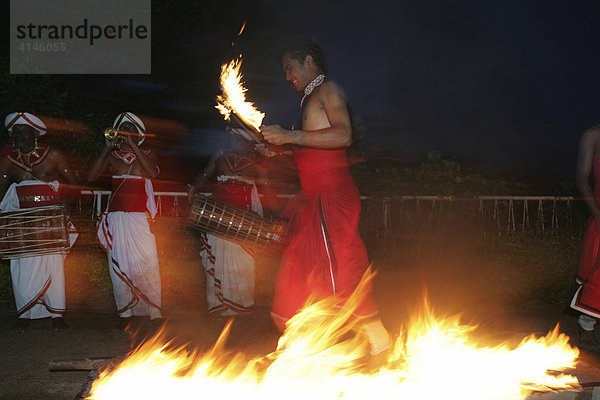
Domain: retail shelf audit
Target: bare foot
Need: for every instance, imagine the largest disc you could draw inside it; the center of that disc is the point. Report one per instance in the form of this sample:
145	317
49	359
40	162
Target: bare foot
58	324
377	361
21	325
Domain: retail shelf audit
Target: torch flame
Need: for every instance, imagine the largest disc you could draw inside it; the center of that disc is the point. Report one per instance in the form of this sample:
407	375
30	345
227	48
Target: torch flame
233	98
321	356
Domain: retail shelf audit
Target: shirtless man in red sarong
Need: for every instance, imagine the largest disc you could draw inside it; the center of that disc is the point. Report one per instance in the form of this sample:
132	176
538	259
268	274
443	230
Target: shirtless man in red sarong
325	254
587	297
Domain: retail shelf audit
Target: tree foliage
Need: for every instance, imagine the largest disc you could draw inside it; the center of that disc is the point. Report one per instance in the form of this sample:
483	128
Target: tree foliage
437	175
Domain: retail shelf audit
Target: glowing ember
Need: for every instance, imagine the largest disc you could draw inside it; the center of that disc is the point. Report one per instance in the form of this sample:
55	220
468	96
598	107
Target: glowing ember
233	98
318	357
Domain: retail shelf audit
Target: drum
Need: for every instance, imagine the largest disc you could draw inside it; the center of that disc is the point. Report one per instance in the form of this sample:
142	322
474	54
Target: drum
29	232
236	225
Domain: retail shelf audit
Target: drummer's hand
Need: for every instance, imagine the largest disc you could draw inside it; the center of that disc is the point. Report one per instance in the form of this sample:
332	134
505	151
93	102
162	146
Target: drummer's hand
263	150
276	135
110	144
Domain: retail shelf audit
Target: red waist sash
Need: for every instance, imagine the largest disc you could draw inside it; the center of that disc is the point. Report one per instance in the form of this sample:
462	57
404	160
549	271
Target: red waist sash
129	195
323	170
37	196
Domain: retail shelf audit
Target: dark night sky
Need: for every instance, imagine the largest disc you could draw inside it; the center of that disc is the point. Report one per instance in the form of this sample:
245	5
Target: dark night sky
508	85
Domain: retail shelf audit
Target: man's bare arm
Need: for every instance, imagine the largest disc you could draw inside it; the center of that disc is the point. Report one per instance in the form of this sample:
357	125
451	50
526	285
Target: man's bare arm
70	190
587	149
5	177
64	170
337	135
101	163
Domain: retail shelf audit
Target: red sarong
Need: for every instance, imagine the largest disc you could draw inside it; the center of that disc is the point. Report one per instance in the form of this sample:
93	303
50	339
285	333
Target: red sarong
587	299
325	255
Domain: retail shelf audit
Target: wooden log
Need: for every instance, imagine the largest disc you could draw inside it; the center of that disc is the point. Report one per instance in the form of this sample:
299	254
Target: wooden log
93	365
86	388
85	364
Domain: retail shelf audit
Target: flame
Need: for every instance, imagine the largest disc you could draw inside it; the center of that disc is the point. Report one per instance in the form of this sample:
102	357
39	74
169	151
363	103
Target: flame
242	28
233	98
321	355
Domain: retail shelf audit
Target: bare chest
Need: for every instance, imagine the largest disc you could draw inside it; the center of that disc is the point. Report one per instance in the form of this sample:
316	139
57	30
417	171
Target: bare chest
45	171
120	167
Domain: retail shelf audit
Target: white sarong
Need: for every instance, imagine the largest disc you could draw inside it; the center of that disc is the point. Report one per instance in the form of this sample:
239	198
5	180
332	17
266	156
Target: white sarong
229	268
38	282
133	261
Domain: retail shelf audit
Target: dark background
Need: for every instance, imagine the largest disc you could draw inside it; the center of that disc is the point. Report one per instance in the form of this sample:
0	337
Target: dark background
506	86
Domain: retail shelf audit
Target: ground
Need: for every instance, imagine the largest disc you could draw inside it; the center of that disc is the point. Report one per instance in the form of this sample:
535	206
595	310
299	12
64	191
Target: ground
456	281
26	356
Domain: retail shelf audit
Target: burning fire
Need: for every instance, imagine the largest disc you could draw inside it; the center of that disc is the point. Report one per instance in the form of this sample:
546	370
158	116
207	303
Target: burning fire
321	356
233	98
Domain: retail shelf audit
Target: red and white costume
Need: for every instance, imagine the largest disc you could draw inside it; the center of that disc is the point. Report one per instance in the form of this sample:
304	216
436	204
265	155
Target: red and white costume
39	281
230	267
125	235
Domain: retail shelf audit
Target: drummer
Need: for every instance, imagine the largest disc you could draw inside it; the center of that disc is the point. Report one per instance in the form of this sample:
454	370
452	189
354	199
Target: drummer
29	177
124	232
229	266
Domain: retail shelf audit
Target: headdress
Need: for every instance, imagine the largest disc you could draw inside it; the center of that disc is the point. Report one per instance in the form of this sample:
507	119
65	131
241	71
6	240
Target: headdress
135	120
25	118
